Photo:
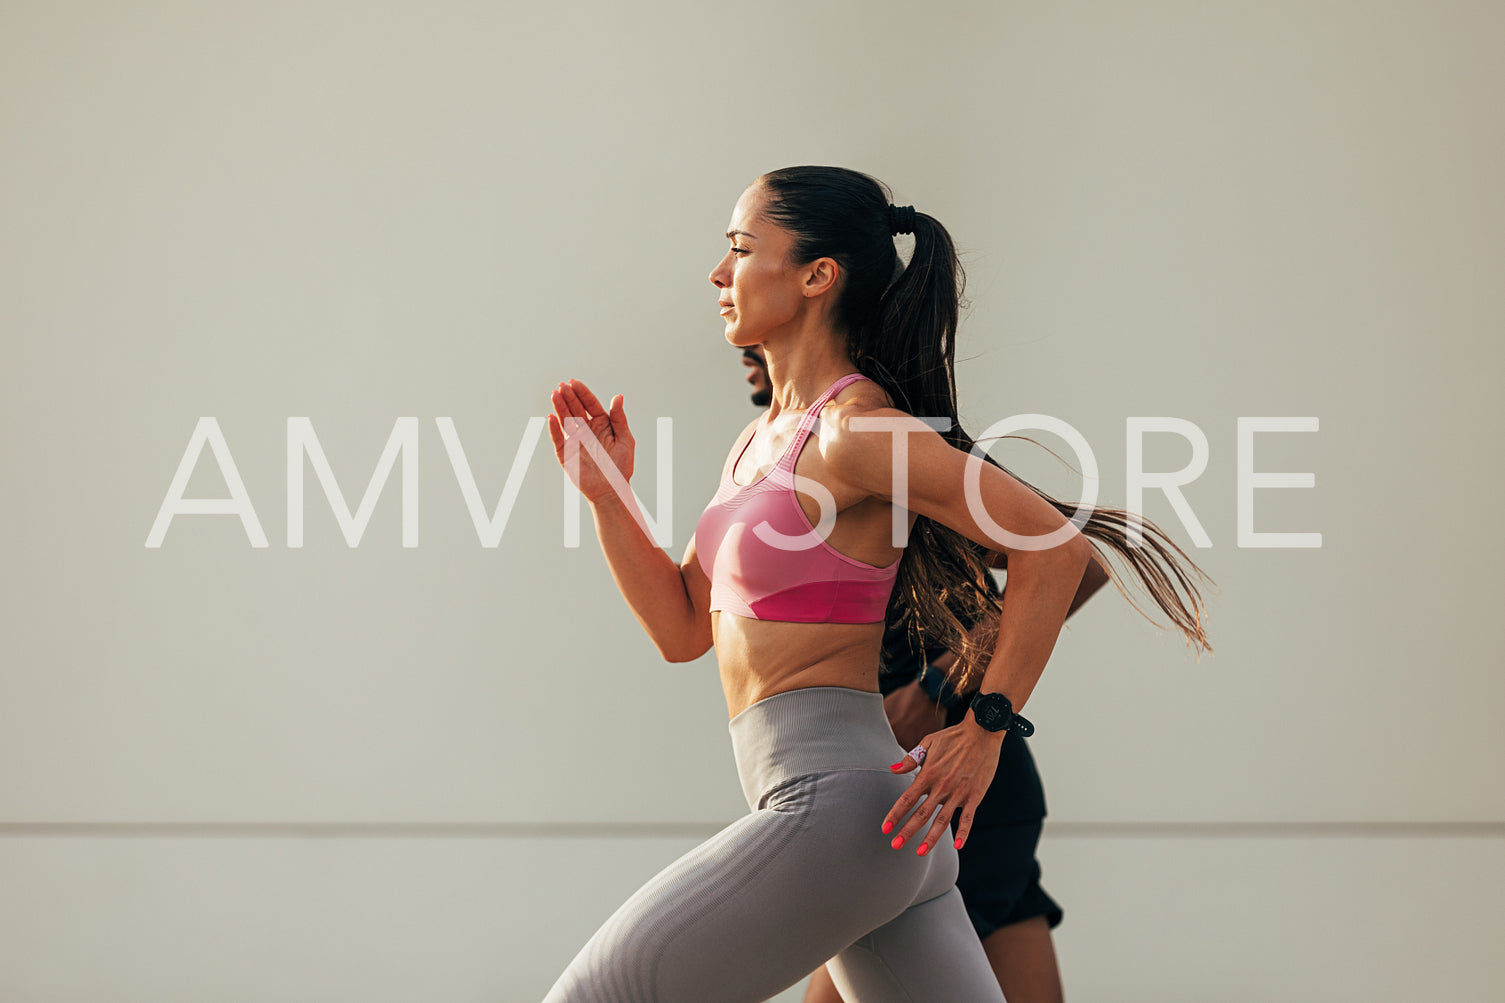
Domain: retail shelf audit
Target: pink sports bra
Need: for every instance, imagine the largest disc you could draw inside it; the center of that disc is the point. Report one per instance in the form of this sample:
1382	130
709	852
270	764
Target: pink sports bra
752	575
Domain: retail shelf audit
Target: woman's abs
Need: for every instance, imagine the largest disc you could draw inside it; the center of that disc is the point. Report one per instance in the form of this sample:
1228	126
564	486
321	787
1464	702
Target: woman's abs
759	658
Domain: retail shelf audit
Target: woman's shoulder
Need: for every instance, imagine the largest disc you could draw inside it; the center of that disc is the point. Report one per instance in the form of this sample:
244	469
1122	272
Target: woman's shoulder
857	433
860	397
865	436
863	399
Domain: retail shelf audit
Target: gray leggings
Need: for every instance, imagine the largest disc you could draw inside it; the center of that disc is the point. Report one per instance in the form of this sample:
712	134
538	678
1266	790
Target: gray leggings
806	877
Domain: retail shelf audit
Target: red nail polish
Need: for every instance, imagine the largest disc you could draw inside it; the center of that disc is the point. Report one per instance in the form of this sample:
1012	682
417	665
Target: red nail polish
898	842
958	844
924	848
888	827
897	765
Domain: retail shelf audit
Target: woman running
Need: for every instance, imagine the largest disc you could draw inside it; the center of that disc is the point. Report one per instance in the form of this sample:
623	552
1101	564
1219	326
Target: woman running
998	875
789	577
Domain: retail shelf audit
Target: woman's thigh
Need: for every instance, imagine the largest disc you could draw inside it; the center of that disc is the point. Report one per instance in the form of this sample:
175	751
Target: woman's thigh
757	907
929	952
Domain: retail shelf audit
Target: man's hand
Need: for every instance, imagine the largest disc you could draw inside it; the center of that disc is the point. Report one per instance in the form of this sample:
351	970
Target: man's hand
912	714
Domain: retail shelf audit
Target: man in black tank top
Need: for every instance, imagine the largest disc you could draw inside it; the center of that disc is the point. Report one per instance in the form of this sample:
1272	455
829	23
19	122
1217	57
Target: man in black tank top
999	877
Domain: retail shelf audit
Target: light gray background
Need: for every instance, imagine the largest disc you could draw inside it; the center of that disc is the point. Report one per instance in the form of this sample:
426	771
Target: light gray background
391	774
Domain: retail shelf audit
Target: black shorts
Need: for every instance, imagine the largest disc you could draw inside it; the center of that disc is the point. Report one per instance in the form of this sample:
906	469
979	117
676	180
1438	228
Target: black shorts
1000	878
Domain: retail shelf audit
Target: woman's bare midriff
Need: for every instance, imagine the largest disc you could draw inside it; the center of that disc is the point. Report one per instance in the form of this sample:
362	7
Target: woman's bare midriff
759	658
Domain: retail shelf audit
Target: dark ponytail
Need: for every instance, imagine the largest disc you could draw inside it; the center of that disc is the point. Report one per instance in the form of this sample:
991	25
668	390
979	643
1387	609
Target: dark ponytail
900	324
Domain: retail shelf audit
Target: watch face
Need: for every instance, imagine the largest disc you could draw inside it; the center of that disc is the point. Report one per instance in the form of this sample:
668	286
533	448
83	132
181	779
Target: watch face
992	711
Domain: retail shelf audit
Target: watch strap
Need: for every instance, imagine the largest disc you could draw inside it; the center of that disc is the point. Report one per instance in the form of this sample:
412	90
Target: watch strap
936	686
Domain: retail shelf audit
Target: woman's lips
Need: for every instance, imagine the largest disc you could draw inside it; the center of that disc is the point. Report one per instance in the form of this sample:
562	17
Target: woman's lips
726	310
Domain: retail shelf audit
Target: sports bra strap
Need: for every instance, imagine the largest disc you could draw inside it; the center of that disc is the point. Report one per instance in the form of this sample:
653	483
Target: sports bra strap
812	414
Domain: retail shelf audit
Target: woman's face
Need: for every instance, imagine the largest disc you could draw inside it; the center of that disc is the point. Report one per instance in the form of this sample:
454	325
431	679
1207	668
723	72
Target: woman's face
760	292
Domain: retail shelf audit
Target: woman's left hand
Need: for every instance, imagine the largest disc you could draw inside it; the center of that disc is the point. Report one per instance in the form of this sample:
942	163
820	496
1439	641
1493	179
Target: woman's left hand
959	765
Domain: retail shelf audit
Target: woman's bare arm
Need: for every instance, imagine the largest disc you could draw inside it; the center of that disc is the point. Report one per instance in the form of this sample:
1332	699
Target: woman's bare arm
1002	515
1044	577
672	603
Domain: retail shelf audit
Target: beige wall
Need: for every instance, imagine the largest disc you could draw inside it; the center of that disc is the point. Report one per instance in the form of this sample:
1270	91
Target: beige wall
394	773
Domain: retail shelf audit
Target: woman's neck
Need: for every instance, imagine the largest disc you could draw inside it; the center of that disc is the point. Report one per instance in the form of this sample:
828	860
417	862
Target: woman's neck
801	370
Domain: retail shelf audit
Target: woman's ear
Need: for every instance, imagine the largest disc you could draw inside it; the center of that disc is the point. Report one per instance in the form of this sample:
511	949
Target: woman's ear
821	276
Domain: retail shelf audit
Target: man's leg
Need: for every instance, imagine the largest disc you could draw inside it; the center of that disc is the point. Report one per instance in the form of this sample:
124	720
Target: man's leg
1023	956
821	989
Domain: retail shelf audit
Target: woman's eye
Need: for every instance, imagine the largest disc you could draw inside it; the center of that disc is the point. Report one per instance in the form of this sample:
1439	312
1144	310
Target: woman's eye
739	250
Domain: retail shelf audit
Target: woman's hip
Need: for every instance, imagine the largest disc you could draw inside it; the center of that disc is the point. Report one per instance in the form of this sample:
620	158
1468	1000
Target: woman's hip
814	730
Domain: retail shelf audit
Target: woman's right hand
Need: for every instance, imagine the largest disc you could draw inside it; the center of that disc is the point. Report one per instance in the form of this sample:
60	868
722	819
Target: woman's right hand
607	427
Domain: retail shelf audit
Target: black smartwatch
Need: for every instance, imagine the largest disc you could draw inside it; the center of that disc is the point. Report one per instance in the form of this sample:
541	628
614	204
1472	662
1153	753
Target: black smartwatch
993	712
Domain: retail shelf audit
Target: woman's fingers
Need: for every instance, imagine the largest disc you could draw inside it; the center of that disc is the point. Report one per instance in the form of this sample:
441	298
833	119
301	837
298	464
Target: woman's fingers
919	820
586	403
606	424
565	423
907	801
562	406
904	765
586	397
929	822
618	416
964	825
905	804
959	766
566	420
578	407
937	831
921	815
575	415
586	434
